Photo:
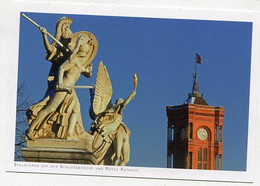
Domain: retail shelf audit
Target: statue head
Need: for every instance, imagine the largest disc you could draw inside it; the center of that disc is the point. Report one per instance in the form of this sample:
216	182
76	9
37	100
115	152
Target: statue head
63	28
119	101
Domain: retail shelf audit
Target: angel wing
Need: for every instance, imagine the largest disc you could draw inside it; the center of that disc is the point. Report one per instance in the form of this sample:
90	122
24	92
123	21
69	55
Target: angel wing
103	90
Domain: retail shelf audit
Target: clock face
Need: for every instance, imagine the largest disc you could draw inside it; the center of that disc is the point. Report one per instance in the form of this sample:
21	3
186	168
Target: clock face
182	133
202	134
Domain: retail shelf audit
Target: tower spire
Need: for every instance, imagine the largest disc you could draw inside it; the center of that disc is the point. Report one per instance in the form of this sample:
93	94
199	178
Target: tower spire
195	87
195	97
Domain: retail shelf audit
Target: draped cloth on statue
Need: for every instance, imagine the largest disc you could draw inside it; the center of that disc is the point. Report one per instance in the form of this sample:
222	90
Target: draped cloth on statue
104	134
55	124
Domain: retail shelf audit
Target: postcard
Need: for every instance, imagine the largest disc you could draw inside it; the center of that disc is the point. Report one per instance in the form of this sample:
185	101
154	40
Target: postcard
133	92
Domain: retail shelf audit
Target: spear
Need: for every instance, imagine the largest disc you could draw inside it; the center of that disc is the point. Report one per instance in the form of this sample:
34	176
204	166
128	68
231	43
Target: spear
80	86
77	86
53	38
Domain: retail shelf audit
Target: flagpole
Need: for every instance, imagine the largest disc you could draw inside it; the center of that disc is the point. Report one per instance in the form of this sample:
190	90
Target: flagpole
195	68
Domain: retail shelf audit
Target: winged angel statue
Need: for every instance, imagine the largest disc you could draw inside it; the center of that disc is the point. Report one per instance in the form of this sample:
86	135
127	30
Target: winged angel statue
111	136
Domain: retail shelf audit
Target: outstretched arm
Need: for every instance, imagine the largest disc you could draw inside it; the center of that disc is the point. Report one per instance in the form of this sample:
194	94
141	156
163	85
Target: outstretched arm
132	95
127	100
47	45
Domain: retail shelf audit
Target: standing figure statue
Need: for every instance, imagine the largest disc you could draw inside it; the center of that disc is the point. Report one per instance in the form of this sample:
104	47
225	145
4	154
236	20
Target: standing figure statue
111	136
58	114
56	54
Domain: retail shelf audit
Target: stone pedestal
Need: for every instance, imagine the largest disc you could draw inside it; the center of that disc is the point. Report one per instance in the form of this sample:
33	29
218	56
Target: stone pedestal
58	151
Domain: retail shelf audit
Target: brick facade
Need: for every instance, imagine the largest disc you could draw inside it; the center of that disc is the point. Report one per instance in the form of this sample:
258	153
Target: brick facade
195	136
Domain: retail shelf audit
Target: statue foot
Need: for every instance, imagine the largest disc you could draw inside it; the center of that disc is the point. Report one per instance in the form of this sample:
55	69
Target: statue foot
71	137
29	135
89	137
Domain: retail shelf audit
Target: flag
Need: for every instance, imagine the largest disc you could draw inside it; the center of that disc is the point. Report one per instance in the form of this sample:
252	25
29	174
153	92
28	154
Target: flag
198	59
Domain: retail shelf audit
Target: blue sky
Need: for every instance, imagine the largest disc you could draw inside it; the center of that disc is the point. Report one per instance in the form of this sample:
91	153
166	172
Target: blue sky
162	53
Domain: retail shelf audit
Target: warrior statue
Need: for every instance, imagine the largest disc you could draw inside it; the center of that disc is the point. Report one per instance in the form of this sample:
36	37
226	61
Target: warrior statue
58	114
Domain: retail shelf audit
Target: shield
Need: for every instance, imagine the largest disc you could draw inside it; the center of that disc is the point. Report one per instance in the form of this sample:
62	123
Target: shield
86	60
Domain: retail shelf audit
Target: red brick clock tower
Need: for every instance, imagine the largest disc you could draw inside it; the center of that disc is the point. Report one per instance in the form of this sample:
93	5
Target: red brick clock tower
195	132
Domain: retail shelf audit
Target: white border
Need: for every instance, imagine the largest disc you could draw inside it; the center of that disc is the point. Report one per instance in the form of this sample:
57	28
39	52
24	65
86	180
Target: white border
133	11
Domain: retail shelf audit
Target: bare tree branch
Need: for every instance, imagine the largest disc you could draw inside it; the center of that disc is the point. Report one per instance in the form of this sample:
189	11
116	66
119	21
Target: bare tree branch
21	120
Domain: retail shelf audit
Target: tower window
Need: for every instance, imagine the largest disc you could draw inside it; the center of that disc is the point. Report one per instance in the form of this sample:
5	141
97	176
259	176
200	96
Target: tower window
170	160
190	160
205	158
220	162
199	158
216	134
220	134
216	162
170	133
191	131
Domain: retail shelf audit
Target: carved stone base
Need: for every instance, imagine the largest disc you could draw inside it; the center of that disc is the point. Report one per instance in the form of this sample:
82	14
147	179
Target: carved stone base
58	151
